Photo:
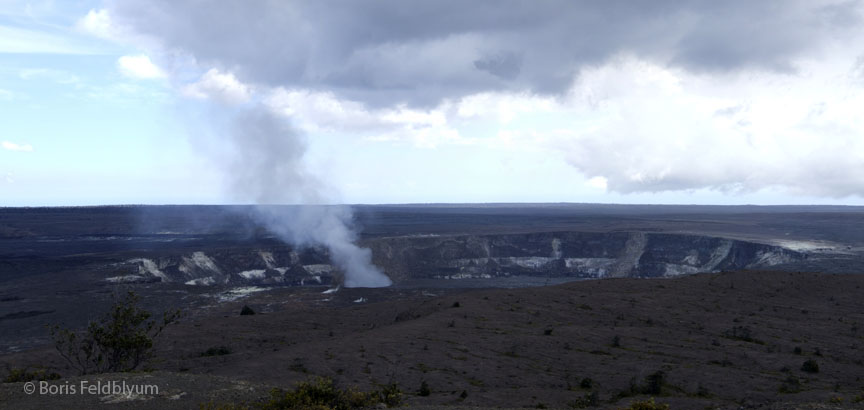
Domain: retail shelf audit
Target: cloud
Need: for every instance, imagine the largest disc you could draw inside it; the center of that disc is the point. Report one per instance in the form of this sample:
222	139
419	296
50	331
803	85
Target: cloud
635	126
139	66
316	112
97	23
219	86
11	146
735	96
420	53
639	127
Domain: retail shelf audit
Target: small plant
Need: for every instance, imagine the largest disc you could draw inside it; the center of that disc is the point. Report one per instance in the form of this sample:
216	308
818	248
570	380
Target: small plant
586	383
321	393
742	333
424	389
790	385
647	405
588	400
389	394
24	375
616	341
119	342
216	351
810	366
653	384
246	311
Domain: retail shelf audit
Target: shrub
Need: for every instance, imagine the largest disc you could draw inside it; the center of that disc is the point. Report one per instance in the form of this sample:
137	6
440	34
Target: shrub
389	394
321	393
246	311
424	389
790	385
653	384
810	366
118	342
216	351
24	375
588	400
742	333
647	405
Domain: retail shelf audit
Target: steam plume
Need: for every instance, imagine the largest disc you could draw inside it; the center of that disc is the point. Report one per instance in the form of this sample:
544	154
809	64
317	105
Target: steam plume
267	166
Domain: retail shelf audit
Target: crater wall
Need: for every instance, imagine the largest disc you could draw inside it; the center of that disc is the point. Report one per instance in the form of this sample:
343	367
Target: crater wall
453	257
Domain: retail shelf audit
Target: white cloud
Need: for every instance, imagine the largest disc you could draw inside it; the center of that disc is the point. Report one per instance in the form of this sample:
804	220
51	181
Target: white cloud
650	129
223	87
691	114
97	23
597	183
139	66
11	146
634	126
6	94
324	112
100	23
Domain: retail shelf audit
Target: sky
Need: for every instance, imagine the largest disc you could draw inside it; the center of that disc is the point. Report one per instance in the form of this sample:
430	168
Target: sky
387	101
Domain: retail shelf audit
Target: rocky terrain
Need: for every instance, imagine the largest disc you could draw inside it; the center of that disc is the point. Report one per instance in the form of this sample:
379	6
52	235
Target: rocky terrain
465	313
725	340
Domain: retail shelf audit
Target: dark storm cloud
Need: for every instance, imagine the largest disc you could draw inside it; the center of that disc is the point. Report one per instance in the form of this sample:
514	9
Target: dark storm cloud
386	52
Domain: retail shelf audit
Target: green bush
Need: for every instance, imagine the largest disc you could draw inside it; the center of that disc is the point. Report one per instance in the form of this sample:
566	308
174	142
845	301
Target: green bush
24	375
118	342
742	333
588	400
790	385
647	405
652	385
810	366
216	351
424	389
321	394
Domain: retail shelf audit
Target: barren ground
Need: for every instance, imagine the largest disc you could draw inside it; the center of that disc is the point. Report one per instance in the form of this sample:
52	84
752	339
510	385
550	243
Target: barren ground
725	340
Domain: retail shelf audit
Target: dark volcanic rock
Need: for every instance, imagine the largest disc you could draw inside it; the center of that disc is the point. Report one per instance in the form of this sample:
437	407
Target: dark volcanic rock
697	341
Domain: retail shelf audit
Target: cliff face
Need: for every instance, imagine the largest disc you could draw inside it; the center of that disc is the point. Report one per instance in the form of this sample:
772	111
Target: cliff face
570	254
551	254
